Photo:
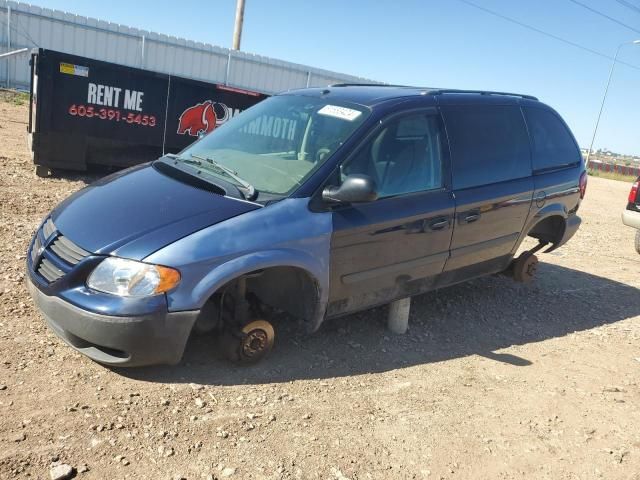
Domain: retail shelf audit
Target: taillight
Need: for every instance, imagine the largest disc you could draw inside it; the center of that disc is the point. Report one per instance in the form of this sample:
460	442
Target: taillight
583	184
633	194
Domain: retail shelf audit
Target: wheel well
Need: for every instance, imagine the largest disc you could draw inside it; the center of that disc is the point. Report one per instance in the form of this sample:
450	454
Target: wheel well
289	289
549	230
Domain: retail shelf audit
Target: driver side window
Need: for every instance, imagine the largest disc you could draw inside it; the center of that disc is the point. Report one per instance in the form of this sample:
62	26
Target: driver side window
405	156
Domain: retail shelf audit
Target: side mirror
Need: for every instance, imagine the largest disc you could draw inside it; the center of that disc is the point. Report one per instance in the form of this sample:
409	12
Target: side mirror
355	188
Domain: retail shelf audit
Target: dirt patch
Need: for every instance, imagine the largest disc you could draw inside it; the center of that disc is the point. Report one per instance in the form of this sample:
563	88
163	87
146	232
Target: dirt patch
494	379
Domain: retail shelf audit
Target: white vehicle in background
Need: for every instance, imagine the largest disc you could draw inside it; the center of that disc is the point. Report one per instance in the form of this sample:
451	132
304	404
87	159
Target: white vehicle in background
631	216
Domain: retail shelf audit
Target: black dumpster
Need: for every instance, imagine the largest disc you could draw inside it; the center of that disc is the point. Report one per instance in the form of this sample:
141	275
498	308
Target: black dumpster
89	112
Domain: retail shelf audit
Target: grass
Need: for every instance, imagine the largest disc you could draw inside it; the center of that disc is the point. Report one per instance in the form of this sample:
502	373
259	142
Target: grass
14	97
613	176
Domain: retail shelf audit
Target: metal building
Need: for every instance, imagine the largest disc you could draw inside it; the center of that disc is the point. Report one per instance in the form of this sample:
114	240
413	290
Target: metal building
25	25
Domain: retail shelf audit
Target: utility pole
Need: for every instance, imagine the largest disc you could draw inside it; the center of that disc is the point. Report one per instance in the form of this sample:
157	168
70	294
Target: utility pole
604	97
237	31
8	45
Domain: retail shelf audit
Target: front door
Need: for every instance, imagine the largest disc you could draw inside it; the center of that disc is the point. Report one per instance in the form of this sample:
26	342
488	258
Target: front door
395	246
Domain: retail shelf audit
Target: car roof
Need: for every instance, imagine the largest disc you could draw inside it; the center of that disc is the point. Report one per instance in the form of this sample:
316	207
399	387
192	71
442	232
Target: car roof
373	94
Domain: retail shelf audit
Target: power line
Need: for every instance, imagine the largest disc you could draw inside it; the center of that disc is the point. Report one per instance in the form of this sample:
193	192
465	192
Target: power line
629	5
547	34
16	28
24	35
604	15
24	30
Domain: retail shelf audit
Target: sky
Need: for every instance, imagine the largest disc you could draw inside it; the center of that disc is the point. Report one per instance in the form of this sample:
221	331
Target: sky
434	43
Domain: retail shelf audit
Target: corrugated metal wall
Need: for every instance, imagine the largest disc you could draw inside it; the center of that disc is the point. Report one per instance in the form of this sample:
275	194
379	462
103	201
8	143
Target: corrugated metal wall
31	26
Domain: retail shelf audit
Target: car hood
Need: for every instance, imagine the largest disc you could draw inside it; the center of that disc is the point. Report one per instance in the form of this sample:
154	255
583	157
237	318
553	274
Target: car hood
138	211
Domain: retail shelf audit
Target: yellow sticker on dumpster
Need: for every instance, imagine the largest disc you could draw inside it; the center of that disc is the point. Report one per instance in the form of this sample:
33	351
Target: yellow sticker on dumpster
71	69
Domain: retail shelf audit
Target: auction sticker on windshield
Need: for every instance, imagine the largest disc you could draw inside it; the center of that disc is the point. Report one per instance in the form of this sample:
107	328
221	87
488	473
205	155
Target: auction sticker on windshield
343	113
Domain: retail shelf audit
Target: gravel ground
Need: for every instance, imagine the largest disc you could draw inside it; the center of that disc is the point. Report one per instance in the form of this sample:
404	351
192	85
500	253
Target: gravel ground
494	380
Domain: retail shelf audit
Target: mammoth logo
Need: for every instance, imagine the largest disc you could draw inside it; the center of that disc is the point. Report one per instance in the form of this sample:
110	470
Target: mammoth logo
202	118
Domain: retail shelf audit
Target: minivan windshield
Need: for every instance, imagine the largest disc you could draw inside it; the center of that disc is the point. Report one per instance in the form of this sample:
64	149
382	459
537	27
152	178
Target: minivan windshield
273	147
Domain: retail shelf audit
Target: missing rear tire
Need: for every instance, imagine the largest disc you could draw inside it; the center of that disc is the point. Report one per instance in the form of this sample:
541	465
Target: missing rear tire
525	267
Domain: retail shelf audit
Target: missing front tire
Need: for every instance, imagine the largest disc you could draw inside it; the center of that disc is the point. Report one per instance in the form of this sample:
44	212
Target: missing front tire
251	345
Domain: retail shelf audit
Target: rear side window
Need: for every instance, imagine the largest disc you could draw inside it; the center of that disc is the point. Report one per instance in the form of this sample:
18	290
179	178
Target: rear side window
489	144
553	145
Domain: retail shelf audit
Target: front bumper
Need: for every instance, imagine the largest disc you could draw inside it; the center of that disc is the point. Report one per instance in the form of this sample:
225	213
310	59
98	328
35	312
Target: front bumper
631	218
157	338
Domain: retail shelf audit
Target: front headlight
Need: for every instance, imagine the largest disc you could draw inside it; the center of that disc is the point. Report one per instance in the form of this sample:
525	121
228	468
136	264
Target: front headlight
128	278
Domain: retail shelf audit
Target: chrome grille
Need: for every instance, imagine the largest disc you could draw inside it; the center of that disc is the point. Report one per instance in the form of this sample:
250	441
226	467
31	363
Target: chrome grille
60	255
49	271
67	250
48	228
35	248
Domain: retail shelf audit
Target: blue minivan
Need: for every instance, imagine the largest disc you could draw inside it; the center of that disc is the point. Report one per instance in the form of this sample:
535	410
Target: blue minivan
317	202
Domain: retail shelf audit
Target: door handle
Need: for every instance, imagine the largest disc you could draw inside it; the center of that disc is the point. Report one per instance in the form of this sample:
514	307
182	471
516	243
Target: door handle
439	224
472	217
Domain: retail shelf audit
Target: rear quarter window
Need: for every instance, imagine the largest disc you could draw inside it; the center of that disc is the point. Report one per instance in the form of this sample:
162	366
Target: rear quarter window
489	144
553	145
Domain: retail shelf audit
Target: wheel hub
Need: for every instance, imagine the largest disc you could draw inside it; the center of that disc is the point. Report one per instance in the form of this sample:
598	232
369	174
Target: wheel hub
532	266
525	267
256	342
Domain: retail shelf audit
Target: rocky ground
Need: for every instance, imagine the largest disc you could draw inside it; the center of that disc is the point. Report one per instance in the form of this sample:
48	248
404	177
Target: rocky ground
494	380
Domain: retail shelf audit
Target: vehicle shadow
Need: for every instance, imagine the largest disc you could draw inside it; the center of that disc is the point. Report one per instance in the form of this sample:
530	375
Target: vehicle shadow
478	317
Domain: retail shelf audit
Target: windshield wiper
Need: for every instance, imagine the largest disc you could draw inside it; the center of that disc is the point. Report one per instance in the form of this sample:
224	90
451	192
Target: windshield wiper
248	190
